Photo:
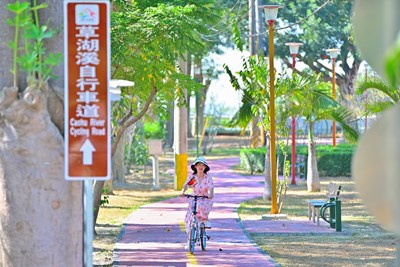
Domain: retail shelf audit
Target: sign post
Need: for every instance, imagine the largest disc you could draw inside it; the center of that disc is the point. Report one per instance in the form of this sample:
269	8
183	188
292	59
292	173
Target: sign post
155	149
87	105
87	101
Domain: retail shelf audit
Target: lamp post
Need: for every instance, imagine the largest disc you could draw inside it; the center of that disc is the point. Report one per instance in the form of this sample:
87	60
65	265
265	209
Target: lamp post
333	53
294	50
271	13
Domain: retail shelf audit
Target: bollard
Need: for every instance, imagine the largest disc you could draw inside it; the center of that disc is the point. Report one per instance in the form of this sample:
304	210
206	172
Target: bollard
335	214
338	211
332	213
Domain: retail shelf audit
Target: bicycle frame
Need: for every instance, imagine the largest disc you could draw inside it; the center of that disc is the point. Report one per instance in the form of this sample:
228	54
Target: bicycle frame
197	232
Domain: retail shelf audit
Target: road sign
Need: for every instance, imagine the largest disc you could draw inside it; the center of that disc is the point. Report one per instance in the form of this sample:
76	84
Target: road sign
87	101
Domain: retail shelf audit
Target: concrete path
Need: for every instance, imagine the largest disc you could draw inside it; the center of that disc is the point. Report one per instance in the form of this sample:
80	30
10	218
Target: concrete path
154	235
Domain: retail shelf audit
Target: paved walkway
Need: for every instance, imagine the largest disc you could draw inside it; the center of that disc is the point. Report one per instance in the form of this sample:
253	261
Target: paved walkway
154	235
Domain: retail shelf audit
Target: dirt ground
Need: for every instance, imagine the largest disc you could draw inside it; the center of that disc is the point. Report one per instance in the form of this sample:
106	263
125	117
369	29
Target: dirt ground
366	245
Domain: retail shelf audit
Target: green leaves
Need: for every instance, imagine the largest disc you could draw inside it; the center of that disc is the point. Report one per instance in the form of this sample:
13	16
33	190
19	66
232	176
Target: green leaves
236	33
330	27
20	19
37	34
378	84
34	60
148	38
252	81
392	68
18	8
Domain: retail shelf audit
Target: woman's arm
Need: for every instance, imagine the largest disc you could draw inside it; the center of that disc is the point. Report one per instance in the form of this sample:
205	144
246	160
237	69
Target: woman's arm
184	188
185	185
211	189
211	193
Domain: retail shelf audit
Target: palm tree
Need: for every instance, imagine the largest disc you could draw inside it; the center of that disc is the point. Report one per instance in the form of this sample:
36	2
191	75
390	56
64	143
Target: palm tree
312	100
391	93
300	95
251	82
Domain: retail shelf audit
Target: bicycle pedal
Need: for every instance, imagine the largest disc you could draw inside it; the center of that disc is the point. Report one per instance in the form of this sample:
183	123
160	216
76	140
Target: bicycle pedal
208	237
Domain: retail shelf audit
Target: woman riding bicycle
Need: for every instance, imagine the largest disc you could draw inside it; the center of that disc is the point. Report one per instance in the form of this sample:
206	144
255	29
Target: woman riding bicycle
202	185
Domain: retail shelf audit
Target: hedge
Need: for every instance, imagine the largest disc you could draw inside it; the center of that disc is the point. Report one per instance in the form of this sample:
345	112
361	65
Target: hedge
332	161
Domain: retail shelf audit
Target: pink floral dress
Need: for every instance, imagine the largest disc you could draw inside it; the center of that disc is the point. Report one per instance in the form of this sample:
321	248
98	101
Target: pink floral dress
204	205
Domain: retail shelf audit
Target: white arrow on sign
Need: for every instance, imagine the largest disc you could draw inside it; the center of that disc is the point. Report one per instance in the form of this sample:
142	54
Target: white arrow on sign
87	149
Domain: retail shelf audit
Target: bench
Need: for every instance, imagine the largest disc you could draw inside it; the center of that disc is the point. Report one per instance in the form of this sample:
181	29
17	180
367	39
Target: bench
314	205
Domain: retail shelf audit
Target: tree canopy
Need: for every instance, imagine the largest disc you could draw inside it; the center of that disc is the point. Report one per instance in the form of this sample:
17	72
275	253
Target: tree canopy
329	27
320	25
148	39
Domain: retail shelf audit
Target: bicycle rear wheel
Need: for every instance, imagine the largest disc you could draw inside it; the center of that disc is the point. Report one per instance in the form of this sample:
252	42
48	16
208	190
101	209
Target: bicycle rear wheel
192	239
203	238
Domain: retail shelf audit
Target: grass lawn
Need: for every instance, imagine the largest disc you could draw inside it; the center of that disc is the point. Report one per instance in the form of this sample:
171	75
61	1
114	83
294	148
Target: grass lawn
364	242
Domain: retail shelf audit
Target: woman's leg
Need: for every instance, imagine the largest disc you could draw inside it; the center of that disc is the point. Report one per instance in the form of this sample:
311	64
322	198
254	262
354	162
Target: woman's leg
188	219
203	210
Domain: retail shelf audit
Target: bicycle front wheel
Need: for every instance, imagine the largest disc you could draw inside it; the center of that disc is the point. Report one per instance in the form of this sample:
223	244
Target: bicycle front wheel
192	239
203	238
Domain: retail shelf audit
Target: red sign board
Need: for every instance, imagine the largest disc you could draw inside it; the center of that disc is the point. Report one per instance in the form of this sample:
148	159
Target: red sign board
87	102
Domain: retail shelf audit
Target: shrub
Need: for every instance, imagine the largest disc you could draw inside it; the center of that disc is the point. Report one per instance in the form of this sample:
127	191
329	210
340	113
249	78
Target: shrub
332	161
154	130
252	160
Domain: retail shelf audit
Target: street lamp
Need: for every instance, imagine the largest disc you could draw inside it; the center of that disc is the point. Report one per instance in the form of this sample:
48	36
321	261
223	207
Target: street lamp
333	53
294	50
271	13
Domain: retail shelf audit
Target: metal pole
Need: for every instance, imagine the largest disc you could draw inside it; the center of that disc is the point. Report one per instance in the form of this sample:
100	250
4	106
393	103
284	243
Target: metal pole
334	97
274	205
332	212
293	132
88	223
156	180
338	215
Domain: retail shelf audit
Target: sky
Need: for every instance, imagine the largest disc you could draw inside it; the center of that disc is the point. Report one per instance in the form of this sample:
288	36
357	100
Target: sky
221	93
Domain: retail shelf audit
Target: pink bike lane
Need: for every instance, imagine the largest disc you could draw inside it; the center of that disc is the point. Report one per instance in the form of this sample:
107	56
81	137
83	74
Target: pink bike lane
154	235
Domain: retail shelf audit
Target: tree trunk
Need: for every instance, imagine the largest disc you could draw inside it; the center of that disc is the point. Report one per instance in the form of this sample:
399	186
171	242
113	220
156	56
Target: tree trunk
6	78
180	147
255	133
346	84
98	186
313	182
53	17
41	213
118	164
198	118
180	138
170	128
188	70
189	124
120	169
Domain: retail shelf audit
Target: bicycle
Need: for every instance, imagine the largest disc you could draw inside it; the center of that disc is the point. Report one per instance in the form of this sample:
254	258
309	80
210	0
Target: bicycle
197	233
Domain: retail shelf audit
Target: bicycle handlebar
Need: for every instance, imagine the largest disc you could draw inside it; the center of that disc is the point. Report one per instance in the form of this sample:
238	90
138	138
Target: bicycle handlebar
186	195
